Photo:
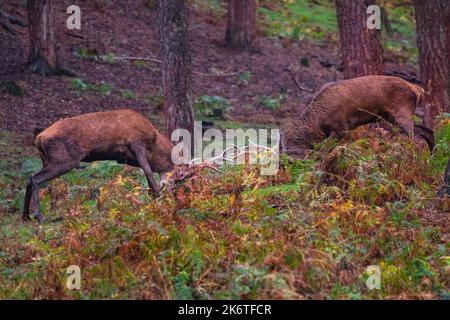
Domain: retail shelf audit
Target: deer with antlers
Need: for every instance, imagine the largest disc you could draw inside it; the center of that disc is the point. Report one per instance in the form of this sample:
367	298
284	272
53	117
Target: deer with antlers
123	135
345	105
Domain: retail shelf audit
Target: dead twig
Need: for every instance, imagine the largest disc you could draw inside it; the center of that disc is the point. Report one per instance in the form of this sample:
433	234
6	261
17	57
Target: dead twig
5	23
124	58
297	84
6	20
16	21
74	35
378	117
219	74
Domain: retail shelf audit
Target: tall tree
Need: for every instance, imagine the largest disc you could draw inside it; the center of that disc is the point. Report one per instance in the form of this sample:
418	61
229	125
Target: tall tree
433	42
42	56
447	27
362	51
176	65
242	31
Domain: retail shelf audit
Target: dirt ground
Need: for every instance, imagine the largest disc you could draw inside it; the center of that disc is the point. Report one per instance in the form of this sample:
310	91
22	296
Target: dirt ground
128	28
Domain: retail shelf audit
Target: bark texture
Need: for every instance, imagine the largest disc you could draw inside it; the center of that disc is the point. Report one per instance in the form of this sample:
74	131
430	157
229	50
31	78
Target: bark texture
242	31
176	65
433	42
362	51
42	55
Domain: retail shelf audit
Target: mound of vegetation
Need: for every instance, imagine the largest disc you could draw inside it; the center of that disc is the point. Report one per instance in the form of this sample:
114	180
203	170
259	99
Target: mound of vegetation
311	231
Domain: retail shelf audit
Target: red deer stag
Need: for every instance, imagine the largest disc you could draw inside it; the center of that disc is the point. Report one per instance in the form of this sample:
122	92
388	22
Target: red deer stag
122	135
345	105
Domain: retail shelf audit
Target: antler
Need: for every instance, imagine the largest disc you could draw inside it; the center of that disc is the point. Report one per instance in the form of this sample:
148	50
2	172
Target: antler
239	151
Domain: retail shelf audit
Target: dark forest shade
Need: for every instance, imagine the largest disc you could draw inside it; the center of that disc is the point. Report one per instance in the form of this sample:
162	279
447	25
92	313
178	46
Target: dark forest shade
433	42
242	31
42	55
176	65
362	51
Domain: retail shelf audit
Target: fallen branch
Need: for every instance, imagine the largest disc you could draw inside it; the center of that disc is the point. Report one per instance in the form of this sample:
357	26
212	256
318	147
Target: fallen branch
124	58
219	74
406	76
6	20
62	71
74	35
298	85
5	23
230	74
16	21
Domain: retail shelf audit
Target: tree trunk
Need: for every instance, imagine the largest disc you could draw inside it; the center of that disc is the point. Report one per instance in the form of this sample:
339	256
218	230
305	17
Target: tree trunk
432	40
362	51
42	56
447	31
176	65
242	32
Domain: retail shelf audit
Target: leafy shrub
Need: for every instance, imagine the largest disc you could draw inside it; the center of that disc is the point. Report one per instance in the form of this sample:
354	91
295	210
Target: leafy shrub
245	78
308	232
128	94
211	107
93	55
273	102
78	84
442	149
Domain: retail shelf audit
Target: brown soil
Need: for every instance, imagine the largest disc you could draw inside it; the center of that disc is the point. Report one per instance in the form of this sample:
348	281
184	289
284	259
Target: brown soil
128	28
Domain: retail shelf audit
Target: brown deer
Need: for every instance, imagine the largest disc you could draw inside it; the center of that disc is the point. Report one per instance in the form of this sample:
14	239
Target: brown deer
345	105
122	135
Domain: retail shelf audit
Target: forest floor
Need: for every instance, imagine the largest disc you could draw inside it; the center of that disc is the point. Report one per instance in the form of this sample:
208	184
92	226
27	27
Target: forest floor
256	88
300	234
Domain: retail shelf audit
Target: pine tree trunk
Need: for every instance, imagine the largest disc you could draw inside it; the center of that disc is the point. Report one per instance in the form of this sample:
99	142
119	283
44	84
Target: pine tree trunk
432	40
176	65
447	31
362	51
42	56
242	31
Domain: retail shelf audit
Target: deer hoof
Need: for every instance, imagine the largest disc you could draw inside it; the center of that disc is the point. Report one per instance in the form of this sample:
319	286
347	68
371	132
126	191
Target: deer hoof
39	217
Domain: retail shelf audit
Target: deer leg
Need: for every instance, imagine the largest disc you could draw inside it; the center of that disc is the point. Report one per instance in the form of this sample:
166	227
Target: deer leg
339	135
406	124
141	158
26	204
32	192
426	134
